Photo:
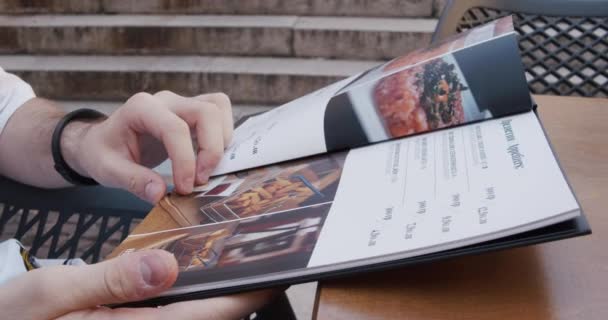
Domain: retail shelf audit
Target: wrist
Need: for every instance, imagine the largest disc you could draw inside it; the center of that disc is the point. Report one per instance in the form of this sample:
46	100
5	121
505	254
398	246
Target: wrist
72	142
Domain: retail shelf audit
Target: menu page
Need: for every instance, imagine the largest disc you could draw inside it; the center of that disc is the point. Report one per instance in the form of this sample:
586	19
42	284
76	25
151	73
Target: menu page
441	86
443	190
291	131
391	200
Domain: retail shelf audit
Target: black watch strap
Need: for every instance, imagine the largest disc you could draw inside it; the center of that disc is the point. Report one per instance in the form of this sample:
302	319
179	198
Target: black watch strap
61	165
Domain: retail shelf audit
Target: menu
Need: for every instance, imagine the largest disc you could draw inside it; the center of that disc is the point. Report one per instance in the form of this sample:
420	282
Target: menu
396	199
436	151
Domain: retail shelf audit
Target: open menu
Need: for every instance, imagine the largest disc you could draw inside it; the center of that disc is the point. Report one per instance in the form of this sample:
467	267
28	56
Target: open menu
435	154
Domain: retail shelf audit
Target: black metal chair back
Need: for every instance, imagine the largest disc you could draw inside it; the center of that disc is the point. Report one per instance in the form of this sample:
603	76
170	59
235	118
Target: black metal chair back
82	222
564	43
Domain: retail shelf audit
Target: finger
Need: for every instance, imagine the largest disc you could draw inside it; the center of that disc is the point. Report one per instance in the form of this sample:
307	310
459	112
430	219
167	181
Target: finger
210	142
103	313
207	120
150	115
227	307
55	291
137	179
222	101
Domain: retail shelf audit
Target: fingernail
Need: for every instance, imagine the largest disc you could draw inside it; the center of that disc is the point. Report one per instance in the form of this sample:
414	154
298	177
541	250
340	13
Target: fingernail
203	176
189	184
152	191
154	270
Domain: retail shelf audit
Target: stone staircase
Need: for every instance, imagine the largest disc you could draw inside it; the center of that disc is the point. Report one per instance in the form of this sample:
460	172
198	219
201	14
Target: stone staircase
375	8
260	52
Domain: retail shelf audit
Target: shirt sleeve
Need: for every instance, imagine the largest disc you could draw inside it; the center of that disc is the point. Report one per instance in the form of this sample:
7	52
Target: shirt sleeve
14	92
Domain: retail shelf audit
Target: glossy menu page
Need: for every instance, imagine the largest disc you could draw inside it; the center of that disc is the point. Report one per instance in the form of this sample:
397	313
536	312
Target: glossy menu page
445	190
442	86
389	201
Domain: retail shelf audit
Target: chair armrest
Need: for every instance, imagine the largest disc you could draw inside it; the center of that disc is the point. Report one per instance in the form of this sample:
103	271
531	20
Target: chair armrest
86	199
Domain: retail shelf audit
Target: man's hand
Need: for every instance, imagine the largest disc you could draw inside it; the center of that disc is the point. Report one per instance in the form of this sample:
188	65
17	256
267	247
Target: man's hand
120	150
70	292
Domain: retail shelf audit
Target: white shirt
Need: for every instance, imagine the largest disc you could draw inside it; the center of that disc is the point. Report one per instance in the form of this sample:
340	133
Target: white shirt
13	258
14	92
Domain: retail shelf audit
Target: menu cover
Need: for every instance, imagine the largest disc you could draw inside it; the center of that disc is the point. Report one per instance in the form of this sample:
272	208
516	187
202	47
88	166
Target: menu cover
434	154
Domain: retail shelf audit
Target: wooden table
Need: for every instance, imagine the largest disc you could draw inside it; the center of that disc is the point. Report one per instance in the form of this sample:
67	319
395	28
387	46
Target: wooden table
561	280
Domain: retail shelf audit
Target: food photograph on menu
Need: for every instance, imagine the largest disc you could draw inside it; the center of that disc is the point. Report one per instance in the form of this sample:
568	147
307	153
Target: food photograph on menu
262	191
422	98
282	240
429	90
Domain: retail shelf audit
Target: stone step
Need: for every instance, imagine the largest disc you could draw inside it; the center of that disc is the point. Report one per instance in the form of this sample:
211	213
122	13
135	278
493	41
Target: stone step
369	8
288	36
262	81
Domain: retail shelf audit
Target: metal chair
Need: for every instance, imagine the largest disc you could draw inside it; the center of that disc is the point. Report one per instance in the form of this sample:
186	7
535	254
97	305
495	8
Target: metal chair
83	222
564	43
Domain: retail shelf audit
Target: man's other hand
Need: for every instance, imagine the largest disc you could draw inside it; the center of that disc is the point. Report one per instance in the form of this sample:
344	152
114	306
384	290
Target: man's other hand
79	292
120	150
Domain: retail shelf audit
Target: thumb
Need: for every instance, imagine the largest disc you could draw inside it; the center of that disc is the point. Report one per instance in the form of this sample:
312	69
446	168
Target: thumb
50	292
126	174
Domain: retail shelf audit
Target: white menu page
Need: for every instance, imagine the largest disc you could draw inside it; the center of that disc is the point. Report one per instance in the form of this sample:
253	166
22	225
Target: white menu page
291	131
443	190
